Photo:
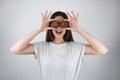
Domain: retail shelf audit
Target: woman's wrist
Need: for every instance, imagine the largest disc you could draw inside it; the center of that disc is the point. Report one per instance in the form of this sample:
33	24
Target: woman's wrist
78	29
39	29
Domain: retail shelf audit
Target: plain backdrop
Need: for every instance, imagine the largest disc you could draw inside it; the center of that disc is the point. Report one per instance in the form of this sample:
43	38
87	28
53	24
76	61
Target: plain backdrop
101	18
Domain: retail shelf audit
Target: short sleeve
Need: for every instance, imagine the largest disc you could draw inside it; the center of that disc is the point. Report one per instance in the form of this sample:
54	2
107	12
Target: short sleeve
80	47
37	47
83	51
77	54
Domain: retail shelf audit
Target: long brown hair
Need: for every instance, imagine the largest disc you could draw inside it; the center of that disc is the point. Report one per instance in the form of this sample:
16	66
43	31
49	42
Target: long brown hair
67	36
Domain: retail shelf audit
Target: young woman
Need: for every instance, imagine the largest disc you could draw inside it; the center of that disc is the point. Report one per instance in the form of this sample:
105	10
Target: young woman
59	56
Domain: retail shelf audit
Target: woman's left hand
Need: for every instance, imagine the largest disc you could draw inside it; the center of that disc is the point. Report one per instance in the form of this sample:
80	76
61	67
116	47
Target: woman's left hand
73	21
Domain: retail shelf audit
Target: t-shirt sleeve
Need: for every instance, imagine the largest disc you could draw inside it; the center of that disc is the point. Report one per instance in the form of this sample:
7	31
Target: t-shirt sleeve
78	52
83	50
37	47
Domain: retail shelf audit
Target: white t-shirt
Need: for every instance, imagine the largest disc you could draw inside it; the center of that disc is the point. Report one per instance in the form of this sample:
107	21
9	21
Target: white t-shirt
59	61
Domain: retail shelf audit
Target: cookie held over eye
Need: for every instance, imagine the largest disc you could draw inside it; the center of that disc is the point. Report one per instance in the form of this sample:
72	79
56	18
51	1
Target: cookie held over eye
56	24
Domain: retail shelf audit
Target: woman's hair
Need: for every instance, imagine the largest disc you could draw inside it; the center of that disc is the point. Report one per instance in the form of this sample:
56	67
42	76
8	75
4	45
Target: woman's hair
67	36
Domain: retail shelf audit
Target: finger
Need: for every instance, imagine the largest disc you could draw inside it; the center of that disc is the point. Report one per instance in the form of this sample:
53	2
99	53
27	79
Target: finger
77	15
67	20
73	14
69	15
68	28
52	19
42	14
45	13
49	14
50	28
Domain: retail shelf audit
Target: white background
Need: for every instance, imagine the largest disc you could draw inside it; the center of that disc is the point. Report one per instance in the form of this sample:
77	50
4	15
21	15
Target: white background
99	17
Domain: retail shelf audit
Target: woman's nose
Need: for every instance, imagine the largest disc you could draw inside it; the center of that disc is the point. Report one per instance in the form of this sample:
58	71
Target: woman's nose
58	27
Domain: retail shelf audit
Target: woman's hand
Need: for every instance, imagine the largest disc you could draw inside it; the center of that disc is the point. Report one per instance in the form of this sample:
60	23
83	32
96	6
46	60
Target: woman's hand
94	47
45	21
73	21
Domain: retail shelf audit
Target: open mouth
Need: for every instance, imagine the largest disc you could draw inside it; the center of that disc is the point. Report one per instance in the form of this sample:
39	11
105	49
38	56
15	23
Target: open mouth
58	32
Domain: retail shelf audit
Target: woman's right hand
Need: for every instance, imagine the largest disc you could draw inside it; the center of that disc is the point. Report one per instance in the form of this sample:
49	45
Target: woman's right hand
45	21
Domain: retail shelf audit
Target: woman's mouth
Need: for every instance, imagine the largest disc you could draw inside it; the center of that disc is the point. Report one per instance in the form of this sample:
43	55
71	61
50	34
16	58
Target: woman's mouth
58	32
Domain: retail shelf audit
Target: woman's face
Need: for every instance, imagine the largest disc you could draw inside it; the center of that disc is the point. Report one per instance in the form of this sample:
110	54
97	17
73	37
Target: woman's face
59	32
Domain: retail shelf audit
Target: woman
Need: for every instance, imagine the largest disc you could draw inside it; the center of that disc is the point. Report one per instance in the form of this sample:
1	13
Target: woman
59	56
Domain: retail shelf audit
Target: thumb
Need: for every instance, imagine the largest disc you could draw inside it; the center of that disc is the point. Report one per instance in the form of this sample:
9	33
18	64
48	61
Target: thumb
68	28
50	28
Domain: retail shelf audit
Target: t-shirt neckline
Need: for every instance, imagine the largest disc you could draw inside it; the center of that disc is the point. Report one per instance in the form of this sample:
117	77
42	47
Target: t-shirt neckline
58	44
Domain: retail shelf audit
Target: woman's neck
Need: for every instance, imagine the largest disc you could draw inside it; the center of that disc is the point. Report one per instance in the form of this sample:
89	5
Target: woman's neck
59	41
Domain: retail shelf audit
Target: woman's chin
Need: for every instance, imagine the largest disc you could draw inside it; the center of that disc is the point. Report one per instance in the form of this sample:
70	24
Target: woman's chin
58	36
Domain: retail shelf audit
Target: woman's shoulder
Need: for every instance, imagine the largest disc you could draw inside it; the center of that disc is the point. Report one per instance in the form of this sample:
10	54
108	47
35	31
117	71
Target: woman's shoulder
76	44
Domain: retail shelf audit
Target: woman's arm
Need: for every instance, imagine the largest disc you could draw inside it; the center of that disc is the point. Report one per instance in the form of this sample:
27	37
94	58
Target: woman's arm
95	46
23	46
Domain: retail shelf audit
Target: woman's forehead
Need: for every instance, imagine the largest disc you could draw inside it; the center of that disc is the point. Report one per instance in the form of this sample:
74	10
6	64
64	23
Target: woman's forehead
59	18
